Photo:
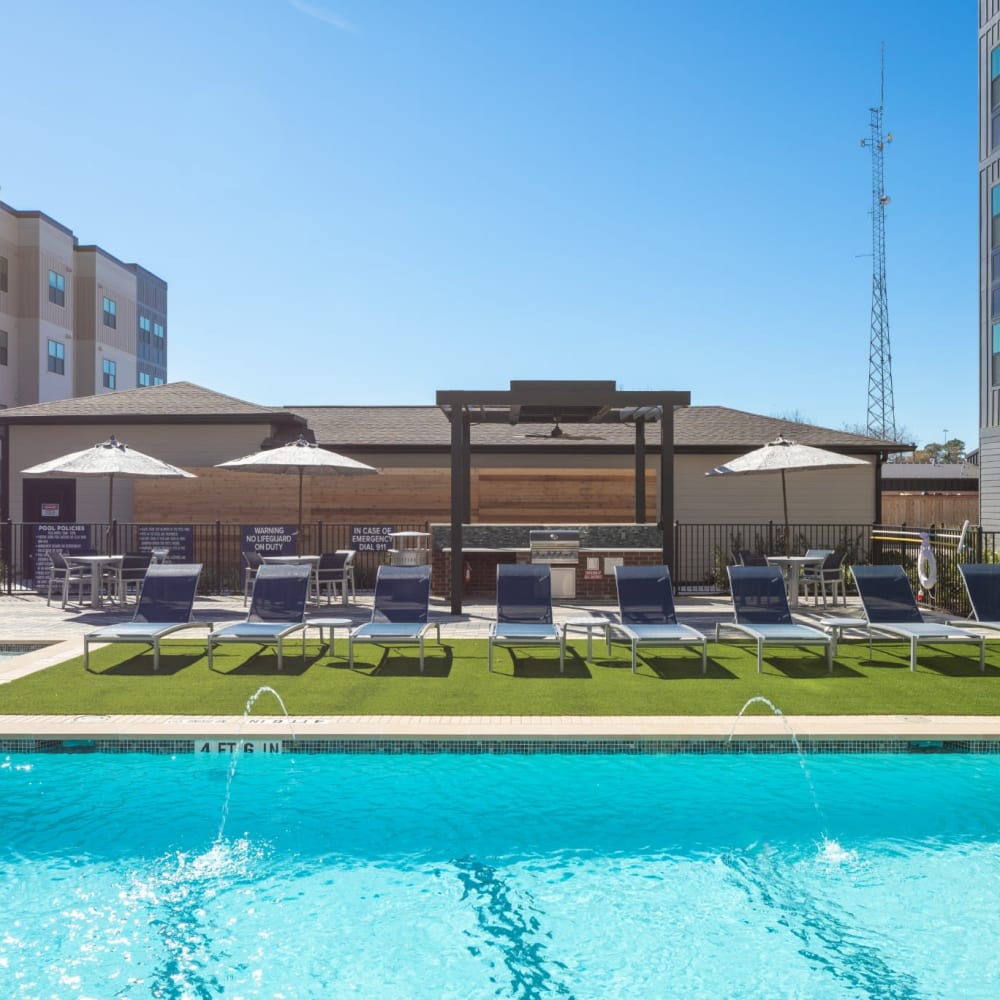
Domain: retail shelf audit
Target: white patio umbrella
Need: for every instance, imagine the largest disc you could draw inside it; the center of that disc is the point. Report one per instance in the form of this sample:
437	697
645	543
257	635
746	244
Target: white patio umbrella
784	456
303	457
109	458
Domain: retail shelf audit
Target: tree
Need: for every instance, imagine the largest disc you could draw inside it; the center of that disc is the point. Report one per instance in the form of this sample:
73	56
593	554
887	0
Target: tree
950	453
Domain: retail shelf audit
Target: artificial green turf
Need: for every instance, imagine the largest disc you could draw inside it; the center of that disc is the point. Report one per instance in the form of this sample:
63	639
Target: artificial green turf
524	682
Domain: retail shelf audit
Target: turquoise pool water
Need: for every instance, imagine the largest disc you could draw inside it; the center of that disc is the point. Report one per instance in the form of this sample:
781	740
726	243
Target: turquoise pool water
466	876
8	650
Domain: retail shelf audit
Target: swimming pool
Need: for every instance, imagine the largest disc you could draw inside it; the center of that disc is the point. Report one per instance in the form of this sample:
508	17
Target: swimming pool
456	875
12	648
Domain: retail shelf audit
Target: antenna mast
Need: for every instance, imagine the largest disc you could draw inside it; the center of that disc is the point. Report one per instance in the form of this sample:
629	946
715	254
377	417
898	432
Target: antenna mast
881	409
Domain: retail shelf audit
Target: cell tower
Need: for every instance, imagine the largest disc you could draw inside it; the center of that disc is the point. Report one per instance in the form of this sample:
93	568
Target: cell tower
881	409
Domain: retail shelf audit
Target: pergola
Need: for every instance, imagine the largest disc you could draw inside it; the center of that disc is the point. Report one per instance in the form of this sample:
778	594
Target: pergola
559	402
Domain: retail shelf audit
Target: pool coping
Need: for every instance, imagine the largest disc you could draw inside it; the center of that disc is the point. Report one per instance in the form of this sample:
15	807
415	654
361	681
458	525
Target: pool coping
847	729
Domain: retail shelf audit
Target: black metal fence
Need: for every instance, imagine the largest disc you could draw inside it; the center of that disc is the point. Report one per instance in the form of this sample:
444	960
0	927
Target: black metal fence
218	547
701	552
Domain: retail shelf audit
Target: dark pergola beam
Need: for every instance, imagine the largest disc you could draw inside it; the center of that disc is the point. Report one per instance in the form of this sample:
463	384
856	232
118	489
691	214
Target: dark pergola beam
459	503
570	402
640	472
666	512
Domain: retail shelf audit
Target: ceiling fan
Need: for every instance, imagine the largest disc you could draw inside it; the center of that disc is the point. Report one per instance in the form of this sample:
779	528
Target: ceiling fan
556	432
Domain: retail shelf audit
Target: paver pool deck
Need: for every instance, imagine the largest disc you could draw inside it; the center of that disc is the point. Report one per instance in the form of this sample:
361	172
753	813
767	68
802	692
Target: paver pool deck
25	618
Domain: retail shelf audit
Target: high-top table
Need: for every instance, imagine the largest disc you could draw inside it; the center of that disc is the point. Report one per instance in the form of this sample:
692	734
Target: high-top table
791	566
97	565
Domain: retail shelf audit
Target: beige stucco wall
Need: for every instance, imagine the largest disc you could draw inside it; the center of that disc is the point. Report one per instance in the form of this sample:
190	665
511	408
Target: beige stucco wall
830	496
184	445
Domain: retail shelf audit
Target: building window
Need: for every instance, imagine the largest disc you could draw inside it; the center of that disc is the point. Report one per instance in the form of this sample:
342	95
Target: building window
110	313
145	324
110	371
57	357
158	330
145	378
3	347
3	274
995	355
57	289
995	79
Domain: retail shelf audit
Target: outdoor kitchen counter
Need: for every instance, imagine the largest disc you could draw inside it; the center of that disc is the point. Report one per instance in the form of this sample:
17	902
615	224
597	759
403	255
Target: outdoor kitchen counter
481	562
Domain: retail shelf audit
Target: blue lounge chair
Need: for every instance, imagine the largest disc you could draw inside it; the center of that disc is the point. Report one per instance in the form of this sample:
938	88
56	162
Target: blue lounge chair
165	604
647	615
760	611
891	610
524	610
400	611
277	610
982	584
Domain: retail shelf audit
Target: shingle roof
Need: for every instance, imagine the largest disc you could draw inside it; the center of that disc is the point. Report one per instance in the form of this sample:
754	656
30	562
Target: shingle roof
172	399
705	428
701	428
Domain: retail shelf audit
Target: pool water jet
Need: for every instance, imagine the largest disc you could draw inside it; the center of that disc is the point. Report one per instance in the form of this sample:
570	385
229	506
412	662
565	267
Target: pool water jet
798	749
231	773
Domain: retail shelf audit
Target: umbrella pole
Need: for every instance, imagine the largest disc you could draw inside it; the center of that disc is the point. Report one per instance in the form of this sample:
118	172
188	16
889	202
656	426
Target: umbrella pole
784	502
111	509
298	540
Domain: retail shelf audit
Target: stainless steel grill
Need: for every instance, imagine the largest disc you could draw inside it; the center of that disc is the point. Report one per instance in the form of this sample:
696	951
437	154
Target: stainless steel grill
560	547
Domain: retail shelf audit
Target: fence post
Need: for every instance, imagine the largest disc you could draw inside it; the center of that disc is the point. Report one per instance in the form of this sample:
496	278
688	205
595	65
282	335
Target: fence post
770	537
8	554
218	557
676	568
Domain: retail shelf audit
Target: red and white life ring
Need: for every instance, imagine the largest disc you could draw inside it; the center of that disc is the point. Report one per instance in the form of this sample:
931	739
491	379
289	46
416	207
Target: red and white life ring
926	564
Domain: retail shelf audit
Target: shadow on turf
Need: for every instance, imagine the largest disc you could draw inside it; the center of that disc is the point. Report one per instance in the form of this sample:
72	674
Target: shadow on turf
812	667
677	667
939	660
263	662
529	665
142	665
406	662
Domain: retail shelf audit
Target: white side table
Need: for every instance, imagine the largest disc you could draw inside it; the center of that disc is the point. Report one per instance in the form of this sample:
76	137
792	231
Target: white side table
332	624
589	623
838	626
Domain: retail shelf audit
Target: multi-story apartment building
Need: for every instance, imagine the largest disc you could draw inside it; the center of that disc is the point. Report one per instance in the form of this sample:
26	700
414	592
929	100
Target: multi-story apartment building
74	320
989	264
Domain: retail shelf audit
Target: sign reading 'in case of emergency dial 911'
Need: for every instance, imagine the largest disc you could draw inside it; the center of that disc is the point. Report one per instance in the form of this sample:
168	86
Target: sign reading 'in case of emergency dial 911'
371	537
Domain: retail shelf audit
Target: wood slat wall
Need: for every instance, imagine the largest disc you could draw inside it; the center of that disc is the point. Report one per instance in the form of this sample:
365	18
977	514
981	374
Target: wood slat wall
945	511
575	495
407	495
515	496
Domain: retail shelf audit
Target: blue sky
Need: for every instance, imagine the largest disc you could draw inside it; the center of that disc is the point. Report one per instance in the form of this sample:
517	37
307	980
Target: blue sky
365	202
